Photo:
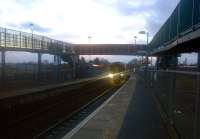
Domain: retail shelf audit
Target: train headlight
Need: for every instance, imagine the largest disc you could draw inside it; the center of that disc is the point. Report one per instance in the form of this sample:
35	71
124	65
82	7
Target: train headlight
110	75
122	74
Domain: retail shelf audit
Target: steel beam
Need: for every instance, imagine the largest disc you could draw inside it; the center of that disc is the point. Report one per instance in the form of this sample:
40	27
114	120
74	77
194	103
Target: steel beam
55	67
39	66
59	67
74	66
199	61
3	66
169	61
57	63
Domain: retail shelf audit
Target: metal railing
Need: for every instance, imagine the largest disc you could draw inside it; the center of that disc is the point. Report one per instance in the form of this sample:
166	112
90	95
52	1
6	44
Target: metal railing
179	95
184	19
17	40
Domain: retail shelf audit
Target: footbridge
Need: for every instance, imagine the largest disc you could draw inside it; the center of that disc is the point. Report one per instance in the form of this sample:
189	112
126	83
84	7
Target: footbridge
180	32
149	103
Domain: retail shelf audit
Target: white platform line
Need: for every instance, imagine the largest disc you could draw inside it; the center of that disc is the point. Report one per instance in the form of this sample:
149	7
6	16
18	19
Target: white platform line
81	124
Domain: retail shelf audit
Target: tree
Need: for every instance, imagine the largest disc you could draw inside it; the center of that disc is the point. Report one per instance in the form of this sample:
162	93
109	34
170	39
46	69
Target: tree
97	61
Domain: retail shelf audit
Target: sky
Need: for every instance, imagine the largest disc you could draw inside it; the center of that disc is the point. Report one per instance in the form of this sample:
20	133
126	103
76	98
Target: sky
106	21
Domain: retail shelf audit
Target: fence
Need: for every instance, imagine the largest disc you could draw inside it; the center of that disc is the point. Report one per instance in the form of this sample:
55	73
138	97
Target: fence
22	75
11	40
179	95
20	40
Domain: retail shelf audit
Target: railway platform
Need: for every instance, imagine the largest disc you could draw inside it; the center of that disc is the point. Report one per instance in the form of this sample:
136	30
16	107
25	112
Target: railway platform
131	113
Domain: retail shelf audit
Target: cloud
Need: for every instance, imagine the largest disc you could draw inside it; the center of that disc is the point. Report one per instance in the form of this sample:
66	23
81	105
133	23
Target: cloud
28	25
134	7
158	14
107	21
147	15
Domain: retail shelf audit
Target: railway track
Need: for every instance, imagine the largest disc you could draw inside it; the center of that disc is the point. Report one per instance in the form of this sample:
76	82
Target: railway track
60	129
29	115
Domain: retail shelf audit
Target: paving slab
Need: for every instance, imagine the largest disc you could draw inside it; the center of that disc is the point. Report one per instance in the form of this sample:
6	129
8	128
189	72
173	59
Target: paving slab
129	114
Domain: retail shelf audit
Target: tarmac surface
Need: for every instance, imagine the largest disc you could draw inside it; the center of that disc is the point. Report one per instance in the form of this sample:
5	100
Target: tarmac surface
142	120
130	113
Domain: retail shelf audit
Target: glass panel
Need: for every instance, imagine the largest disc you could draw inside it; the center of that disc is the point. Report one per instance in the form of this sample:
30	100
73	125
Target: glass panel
197	12
20	65
185	15
174	24
48	67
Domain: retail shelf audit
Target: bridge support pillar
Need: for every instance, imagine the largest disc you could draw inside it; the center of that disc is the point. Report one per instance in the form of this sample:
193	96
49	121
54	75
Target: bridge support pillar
174	61
3	66
74	66
57	63
39	66
75	60
198	61
59	68
167	62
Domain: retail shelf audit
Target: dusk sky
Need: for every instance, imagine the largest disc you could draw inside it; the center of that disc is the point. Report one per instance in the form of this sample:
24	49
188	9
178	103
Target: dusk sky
106	21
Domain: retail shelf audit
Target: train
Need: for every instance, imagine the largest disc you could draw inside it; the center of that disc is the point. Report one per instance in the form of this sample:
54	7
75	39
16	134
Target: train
118	73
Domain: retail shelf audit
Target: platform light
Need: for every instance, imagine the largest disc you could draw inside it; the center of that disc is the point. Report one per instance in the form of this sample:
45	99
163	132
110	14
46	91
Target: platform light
147	33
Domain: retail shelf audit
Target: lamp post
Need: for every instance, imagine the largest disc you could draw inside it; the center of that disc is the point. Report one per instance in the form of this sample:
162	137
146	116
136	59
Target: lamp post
135	38
89	41
31	27
147	35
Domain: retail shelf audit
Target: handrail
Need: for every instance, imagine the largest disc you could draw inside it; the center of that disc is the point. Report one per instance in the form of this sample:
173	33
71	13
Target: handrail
22	40
178	71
